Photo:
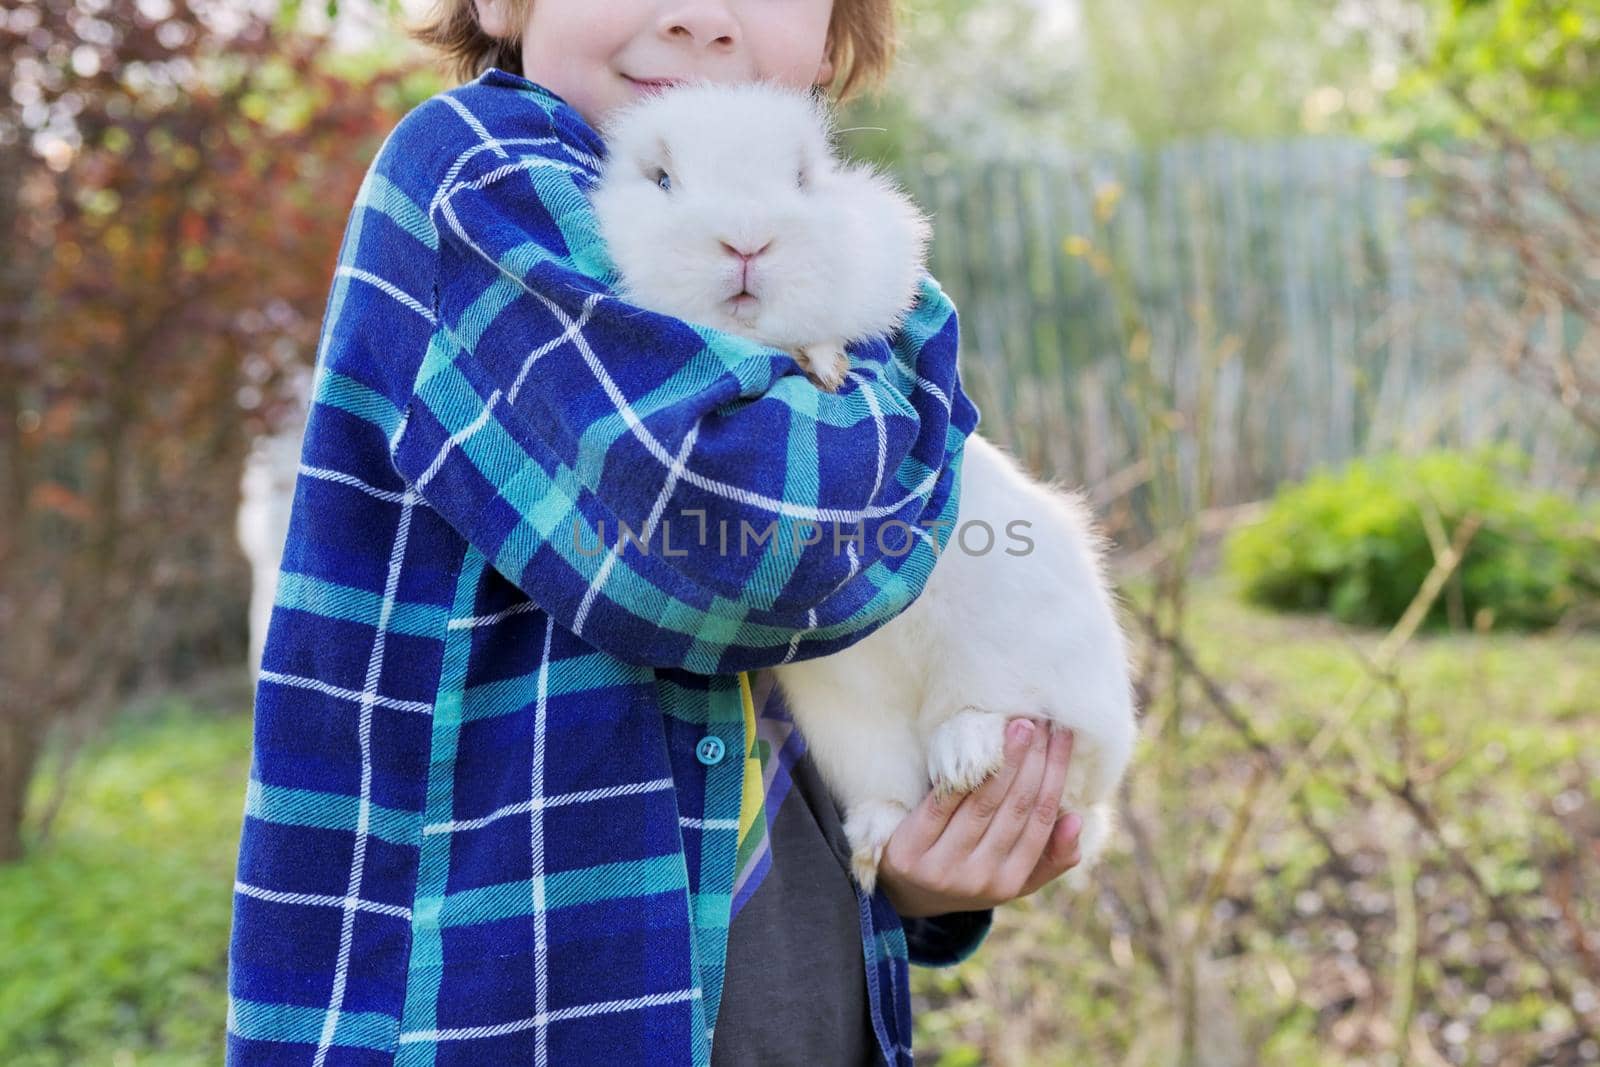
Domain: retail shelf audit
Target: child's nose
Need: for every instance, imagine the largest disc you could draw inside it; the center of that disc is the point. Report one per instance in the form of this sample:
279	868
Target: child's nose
705	23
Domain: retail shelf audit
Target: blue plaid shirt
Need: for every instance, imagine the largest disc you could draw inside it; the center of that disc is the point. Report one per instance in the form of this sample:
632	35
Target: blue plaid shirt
494	798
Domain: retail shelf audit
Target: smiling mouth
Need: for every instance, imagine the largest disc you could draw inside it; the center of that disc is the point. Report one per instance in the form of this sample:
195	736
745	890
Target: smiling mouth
651	86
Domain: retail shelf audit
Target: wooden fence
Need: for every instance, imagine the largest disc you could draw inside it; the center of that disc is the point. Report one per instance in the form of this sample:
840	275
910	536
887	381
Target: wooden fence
1303	303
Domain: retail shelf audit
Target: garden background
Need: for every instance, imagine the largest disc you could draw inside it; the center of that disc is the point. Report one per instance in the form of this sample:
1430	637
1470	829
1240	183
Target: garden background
1304	295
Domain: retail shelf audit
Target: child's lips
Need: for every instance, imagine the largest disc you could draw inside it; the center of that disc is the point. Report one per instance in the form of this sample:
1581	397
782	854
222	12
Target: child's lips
651	86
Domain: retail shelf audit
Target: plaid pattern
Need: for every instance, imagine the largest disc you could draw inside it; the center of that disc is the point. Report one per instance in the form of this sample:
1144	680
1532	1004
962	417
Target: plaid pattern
890	943
757	803
774	746
482	828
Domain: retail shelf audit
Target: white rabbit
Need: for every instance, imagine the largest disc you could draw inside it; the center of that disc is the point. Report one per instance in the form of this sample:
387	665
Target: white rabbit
759	207
266	496
712	191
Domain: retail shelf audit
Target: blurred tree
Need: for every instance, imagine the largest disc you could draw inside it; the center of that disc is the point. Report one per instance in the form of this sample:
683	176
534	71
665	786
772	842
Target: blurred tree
1494	104
1162	69
1018	78
1028	79
1532	64
173	182
988	80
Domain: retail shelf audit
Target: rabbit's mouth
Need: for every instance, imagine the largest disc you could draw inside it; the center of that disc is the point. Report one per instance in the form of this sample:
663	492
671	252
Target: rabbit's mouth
743	306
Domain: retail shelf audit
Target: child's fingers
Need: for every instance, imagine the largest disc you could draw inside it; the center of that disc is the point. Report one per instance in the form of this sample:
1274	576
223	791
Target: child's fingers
973	816
1060	853
1012	821
929	821
924	825
1025	851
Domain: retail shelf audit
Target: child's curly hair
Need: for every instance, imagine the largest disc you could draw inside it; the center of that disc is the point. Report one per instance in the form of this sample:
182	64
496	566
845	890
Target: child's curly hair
861	39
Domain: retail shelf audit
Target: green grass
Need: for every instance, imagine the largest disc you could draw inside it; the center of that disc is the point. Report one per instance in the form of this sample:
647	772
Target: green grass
1299	962
115	932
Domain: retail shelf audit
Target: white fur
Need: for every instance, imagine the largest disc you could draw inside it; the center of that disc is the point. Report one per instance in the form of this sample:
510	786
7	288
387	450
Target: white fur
266	497
750	166
993	635
924	700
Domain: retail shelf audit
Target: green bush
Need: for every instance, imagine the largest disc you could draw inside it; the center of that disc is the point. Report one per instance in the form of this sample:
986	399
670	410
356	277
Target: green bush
1354	543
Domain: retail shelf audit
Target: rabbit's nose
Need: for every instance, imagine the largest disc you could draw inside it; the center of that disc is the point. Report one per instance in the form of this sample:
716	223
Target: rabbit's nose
746	256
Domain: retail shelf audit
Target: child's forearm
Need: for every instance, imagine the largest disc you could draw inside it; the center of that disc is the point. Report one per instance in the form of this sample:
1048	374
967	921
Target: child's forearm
557	416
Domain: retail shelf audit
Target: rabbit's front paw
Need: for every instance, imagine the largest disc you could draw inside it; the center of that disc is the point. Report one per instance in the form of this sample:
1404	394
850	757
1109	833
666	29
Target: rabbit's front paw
868	827
826	364
966	750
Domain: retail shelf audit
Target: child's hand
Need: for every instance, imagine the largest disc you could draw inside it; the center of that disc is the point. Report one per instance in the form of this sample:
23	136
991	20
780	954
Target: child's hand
1003	840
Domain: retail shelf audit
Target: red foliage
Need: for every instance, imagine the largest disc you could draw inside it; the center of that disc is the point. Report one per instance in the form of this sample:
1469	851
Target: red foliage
173	197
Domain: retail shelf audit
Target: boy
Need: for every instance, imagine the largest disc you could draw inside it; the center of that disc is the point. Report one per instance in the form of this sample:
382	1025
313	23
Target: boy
510	798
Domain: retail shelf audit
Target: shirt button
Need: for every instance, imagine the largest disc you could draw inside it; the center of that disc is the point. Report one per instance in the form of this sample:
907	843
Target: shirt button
710	750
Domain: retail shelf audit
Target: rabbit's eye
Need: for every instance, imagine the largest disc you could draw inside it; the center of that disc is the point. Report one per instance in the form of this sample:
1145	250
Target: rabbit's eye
664	181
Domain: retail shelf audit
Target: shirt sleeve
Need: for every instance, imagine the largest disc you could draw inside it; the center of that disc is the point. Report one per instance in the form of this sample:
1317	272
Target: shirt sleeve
946	940
674	495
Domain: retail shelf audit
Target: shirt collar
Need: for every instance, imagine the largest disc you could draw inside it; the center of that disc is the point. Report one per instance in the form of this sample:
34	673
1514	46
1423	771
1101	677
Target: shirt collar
568	121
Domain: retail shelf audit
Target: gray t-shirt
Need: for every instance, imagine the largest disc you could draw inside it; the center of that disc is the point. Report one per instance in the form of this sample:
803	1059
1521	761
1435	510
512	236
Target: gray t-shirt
795	988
